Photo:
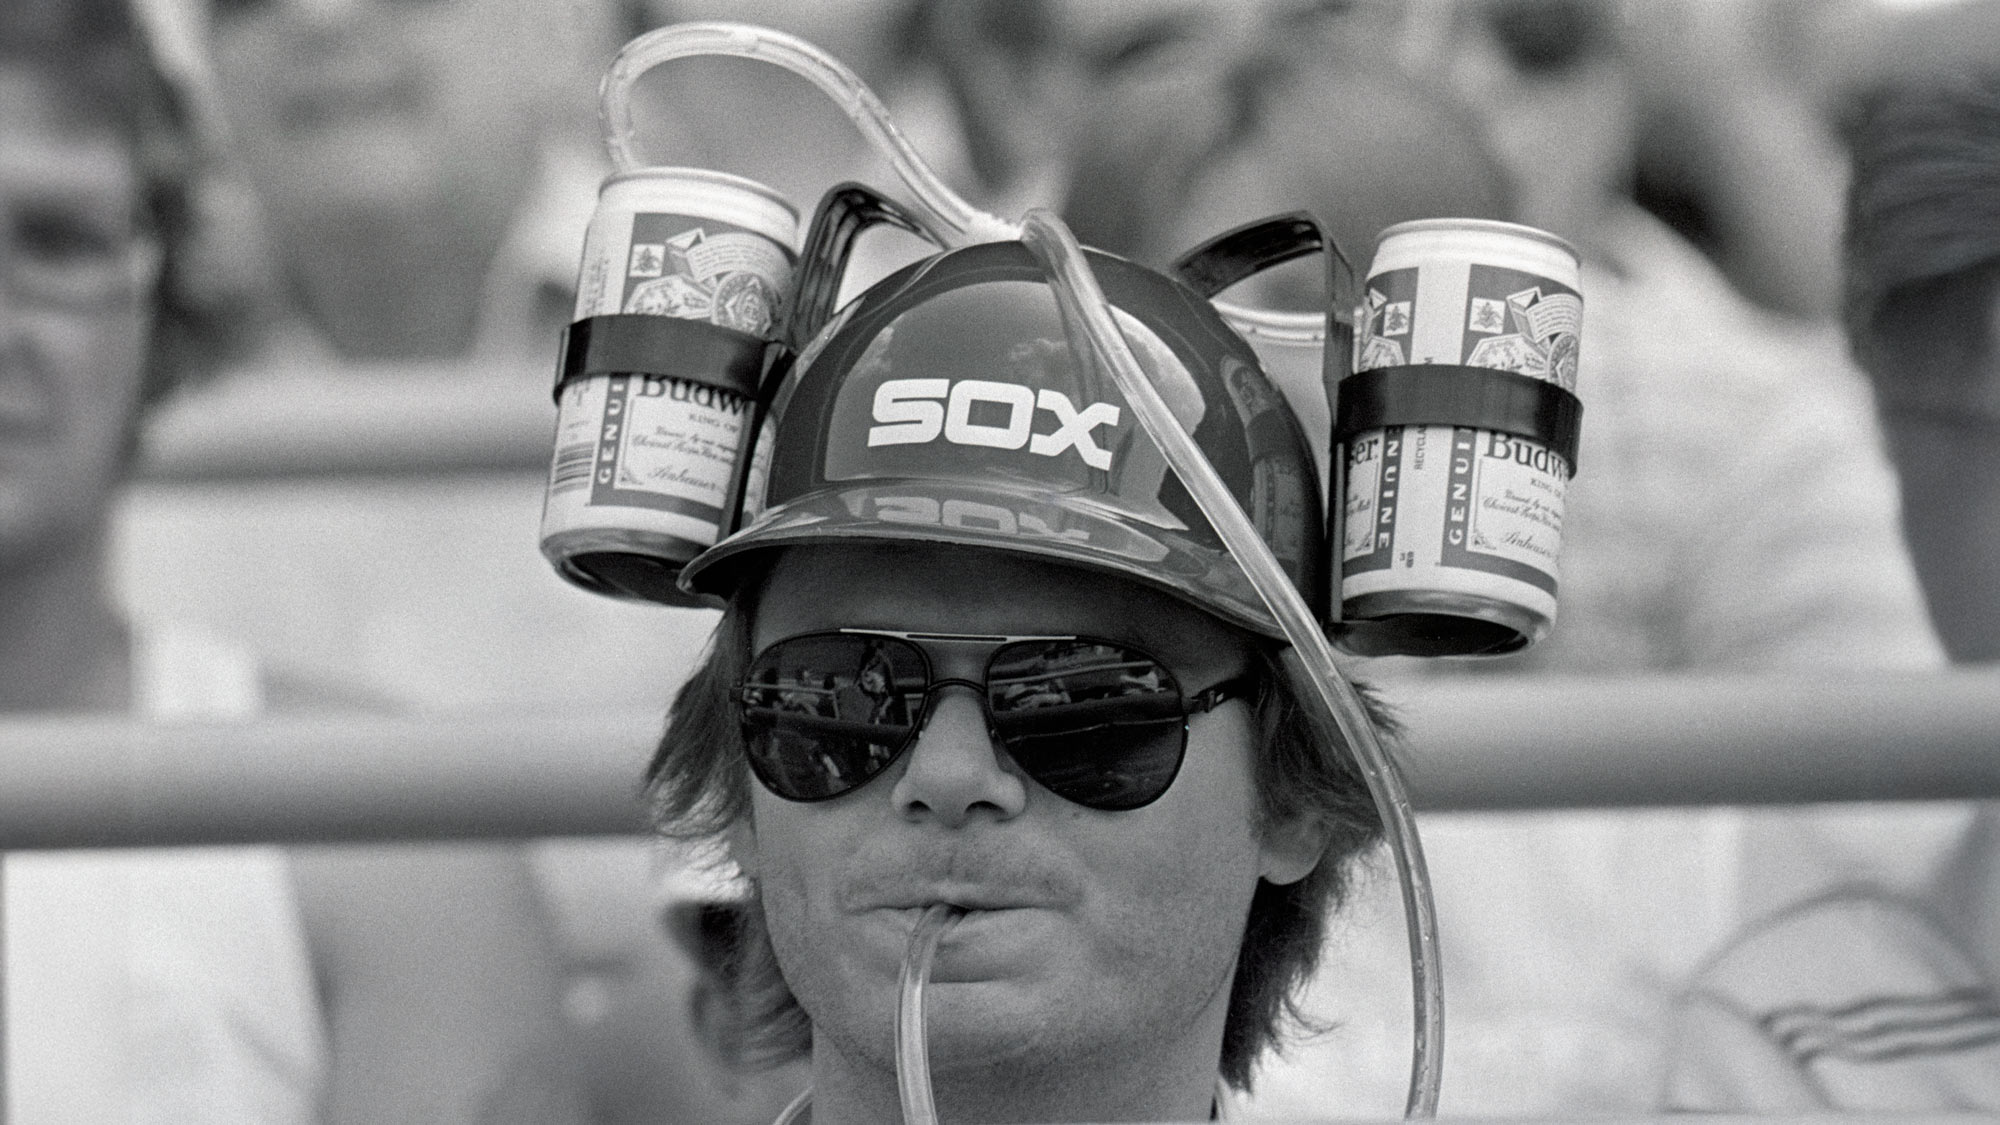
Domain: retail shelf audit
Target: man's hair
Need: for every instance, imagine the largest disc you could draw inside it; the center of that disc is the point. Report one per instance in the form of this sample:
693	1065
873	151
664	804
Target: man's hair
699	785
96	56
1923	229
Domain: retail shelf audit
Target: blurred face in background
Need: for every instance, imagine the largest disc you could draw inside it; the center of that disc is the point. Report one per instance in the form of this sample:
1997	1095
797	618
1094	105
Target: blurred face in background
1546	78
76	272
1557	100
344	105
1359	144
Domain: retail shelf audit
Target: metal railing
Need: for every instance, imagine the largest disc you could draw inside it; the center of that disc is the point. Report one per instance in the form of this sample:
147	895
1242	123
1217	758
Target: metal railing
1470	744
387	420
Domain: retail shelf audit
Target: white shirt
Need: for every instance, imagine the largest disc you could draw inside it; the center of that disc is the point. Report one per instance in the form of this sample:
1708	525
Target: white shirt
164	986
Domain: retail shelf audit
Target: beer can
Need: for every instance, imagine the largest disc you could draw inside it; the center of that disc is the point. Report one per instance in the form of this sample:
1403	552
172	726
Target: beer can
1452	532
646	464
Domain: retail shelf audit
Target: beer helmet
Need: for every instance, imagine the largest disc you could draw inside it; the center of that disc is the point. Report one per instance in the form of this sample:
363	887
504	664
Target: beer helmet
951	403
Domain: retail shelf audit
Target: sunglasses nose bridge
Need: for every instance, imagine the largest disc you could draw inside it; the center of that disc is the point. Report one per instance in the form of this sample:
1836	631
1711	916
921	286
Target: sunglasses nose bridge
978	691
943	682
954	763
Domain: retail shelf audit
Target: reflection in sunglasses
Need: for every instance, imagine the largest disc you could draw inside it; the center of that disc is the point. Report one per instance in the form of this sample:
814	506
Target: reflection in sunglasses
1095	722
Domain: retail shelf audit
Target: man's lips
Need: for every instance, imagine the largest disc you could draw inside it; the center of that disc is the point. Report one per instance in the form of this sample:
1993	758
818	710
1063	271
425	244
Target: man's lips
976	876
965	897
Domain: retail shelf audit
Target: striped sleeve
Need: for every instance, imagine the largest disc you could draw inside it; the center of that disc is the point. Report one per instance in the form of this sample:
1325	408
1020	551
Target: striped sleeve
1854	1002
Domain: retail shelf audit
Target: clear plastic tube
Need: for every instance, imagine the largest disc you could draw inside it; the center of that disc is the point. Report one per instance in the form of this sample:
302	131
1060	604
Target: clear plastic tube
1310	660
947	218
913	1063
1287	328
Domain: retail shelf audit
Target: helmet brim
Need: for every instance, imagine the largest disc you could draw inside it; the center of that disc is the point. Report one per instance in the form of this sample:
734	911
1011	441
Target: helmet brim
1063	529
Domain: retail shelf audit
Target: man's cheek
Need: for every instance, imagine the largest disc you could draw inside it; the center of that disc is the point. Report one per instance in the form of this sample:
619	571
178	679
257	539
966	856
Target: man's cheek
1187	886
799	859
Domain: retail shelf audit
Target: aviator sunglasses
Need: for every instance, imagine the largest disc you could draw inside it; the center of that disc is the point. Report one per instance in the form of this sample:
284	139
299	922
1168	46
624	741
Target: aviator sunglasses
1093	721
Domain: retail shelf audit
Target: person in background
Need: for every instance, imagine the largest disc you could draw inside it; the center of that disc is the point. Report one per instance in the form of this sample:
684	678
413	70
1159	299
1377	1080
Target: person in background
1583	101
241	984
140	986
418	172
1923	314
419	177
980	88
1733	511
650	1029
97	171
1874	997
1790	573
1736	511
1729	143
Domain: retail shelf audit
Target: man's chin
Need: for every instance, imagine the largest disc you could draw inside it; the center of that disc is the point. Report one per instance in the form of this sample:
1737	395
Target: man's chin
993	1026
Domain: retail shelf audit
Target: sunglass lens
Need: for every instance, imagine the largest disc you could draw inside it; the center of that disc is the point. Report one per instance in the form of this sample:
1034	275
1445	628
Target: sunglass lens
1093	723
824	714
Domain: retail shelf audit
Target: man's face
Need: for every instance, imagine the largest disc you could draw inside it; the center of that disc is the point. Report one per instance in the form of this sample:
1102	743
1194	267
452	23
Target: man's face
75	275
1090	933
385	102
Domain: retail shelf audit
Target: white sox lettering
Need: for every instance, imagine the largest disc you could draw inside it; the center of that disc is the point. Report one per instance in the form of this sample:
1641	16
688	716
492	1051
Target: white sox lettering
915	411
966	515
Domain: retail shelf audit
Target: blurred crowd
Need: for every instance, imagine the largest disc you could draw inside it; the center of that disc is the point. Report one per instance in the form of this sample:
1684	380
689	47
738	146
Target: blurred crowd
356	224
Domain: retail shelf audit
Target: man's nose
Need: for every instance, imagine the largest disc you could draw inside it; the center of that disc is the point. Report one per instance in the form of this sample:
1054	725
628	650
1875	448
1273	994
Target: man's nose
955	772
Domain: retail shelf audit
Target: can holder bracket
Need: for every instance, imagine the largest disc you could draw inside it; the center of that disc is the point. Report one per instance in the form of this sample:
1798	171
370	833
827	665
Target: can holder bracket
1450	394
1243	251
844	212
639	344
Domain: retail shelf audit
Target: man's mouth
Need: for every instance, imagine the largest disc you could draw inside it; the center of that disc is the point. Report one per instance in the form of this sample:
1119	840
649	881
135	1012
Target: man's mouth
967	899
898	889
961	914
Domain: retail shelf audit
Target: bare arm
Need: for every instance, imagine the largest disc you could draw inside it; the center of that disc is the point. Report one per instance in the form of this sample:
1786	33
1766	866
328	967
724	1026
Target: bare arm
439	975
1753	147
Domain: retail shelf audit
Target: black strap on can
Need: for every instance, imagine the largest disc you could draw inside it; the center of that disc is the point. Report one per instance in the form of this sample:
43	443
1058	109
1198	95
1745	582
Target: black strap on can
1450	394
692	351
645	344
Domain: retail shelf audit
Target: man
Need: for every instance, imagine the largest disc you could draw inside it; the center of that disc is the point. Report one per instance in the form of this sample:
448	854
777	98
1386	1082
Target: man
1923	312
1087	744
212	985
85	291
1733	515
1877	996
112	958
409	165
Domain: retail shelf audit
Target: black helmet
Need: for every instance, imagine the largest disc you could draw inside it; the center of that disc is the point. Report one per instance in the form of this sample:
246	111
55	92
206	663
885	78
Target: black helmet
949	404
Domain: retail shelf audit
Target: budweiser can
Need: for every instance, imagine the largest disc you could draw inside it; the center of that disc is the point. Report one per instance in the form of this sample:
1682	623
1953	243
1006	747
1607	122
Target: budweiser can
1451	533
646	462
